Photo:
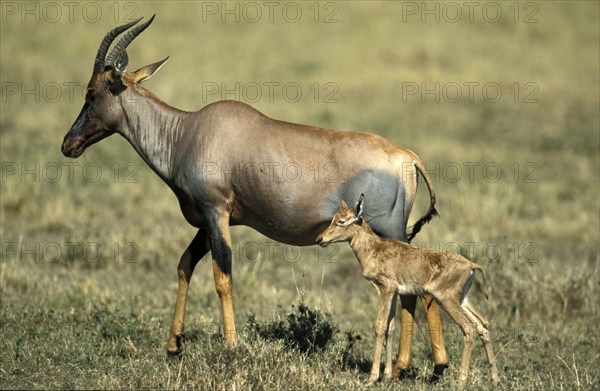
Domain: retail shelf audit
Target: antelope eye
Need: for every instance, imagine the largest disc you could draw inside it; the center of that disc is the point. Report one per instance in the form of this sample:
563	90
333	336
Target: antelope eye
341	223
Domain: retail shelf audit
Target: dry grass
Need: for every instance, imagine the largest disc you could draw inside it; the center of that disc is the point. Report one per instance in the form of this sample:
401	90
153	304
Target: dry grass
90	320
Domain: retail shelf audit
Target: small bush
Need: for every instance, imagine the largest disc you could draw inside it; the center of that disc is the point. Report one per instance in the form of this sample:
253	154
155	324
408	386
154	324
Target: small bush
306	330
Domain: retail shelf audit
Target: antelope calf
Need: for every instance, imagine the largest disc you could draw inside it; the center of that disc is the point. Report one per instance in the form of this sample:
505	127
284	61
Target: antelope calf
394	267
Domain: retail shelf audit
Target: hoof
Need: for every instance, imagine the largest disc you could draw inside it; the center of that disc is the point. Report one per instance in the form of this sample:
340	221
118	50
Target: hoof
404	373
370	382
179	350
495	380
373	378
438	372
177	353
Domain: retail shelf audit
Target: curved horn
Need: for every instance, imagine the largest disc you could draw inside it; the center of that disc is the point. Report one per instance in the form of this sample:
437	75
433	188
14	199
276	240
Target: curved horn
125	41
108	39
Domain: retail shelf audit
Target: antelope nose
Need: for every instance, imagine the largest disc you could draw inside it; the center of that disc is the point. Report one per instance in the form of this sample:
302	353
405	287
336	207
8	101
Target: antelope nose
320	242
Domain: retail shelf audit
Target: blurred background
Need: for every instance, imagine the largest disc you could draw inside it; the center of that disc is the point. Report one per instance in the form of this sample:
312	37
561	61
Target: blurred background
501	100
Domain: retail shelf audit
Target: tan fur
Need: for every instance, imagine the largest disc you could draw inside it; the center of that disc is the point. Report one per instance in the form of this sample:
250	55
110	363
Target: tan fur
394	267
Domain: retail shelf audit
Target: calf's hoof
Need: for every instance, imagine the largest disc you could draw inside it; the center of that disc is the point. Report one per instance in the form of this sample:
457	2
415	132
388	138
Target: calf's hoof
370	382
495	380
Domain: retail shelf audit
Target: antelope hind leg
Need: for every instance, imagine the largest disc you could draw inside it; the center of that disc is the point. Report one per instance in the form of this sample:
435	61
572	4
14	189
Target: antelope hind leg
434	321
221	252
406	332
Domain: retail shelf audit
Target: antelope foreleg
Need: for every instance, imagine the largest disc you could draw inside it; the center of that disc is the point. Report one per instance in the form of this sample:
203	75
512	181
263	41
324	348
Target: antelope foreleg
194	252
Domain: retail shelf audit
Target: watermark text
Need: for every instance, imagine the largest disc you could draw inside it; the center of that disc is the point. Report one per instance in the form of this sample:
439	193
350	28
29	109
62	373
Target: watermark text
57	252
470	11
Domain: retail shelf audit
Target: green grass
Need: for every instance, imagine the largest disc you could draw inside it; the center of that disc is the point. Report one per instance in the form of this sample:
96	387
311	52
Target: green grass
88	272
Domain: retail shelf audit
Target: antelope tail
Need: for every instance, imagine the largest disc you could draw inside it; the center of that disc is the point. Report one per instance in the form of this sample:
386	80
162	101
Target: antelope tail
432	211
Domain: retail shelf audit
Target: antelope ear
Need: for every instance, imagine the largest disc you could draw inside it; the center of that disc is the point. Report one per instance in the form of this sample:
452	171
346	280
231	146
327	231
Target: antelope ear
359	206
117	70
344	204
148	71
121	63
119	67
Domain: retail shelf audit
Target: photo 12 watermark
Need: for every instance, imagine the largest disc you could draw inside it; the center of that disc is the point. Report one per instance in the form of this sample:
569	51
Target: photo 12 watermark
55	252
68	171
270	11
271	172
525	333
51	92
469	92
270	91
490	252
69	11
489	172
271	251
470	11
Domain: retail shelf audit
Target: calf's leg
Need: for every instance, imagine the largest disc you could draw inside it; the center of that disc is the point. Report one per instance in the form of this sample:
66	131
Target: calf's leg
389	338
381	323
463	320
483	331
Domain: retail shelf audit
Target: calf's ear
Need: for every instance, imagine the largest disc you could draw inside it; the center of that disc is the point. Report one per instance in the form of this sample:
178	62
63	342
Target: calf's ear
358	209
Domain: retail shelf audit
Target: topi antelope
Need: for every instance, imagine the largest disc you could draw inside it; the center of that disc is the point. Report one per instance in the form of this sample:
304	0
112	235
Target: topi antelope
229	164
394	267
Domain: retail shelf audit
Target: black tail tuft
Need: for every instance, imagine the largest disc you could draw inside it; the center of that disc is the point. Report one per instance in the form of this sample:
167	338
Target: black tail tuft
423	220
432	211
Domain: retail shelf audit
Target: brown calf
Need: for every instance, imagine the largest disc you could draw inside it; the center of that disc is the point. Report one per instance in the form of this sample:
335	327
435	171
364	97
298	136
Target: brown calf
394	267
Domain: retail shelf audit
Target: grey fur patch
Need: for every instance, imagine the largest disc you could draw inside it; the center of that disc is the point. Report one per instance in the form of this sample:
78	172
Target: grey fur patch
384	209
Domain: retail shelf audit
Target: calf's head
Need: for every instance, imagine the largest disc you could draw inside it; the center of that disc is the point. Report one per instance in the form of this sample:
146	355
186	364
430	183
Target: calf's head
344	224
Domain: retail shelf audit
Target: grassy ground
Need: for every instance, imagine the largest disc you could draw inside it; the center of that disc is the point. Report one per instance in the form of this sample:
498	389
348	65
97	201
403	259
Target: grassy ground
89	247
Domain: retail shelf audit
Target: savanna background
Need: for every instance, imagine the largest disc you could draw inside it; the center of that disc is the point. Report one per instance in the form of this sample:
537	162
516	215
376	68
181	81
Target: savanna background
90	246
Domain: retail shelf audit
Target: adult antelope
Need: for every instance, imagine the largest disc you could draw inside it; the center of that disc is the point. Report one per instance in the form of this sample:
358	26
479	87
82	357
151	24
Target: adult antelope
228	164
